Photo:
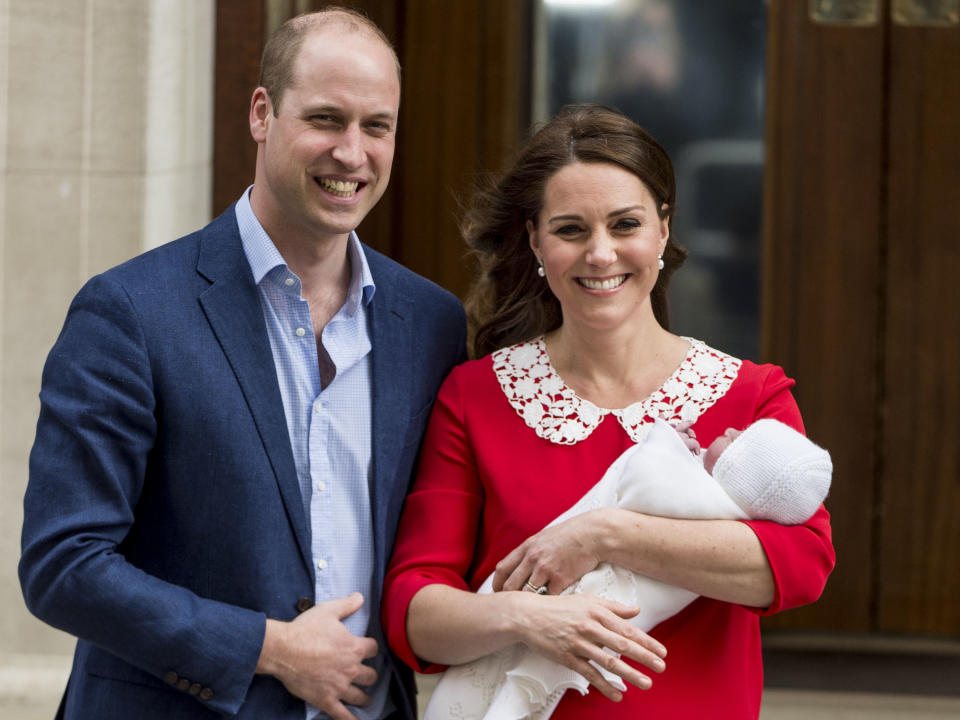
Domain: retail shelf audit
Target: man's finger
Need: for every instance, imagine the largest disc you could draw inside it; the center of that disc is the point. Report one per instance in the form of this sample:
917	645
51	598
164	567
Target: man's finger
356	697
368	648
338	711
342	607
366	676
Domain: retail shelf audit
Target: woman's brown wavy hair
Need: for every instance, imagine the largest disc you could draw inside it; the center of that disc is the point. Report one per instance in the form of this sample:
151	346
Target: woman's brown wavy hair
509	303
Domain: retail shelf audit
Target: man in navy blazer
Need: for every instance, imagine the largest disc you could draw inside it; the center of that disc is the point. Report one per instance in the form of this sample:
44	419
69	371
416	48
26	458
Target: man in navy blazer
172	520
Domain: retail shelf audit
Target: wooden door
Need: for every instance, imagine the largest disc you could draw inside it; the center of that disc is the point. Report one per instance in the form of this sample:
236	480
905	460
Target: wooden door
918	562
861	303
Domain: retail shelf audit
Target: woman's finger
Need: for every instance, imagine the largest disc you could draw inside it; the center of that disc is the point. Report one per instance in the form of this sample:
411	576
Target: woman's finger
615	665
625	647
506	567
514	570
627	640
523	573
595	678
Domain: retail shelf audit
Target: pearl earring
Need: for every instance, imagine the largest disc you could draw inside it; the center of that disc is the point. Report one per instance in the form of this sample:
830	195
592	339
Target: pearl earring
660	261
540	271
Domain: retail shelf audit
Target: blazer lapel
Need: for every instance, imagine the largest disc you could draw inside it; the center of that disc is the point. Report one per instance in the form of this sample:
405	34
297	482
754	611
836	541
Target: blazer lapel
232	307
392	366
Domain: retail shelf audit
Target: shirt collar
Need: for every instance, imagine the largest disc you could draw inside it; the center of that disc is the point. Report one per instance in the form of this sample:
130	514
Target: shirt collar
264	257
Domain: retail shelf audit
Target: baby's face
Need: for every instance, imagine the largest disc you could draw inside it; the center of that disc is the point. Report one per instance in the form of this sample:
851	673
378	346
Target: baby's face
717	447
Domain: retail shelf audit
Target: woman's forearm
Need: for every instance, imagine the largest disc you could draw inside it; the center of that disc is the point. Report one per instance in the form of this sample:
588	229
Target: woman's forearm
720	559
450	626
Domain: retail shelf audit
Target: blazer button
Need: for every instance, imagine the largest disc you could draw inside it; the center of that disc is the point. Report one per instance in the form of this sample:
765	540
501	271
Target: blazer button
170	677
194	689
183	684
304	604
206	694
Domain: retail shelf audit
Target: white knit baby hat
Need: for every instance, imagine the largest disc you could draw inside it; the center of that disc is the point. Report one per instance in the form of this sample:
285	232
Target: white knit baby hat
775	473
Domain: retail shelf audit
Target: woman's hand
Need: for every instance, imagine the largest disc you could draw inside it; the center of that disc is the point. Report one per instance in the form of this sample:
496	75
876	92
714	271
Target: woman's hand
556	557
574	629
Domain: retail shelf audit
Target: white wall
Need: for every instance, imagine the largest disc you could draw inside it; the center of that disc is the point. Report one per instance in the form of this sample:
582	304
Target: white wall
106	111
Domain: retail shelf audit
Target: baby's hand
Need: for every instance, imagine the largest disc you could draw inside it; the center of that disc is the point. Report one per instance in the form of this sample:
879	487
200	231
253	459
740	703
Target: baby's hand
689	437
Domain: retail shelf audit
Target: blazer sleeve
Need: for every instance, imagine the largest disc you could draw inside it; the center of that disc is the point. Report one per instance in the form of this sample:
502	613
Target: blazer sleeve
438	529
87	467
801	556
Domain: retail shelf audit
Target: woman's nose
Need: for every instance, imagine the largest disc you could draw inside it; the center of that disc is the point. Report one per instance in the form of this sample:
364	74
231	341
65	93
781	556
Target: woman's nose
600	249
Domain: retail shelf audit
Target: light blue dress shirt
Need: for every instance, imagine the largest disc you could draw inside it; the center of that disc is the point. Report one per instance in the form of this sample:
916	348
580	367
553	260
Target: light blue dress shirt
330	428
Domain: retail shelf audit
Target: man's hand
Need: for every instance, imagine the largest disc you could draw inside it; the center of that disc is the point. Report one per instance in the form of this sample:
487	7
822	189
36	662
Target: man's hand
318	660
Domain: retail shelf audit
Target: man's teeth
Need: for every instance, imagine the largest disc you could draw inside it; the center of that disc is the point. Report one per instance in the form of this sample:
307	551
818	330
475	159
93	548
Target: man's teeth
338	187
608	284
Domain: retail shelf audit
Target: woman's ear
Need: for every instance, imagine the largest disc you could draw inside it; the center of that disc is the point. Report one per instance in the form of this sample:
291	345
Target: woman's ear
532	237
664	226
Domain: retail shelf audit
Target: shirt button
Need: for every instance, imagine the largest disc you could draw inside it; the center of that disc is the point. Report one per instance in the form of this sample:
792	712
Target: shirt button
321	564
321	485
288	282
301	332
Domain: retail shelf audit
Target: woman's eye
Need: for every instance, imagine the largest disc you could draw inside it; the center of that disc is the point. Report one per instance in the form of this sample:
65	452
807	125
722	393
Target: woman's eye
567	230
627	224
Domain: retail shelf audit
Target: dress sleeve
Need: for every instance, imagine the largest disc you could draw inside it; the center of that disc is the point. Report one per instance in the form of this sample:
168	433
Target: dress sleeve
438	528
801	556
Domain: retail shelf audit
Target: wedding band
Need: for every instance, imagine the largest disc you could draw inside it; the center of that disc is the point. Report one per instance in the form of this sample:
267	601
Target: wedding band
538	589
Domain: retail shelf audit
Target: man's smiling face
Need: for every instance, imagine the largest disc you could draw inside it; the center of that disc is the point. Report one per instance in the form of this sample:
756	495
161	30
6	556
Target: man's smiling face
326	151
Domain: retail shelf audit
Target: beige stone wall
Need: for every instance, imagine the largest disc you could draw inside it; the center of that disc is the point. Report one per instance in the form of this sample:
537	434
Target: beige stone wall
105	149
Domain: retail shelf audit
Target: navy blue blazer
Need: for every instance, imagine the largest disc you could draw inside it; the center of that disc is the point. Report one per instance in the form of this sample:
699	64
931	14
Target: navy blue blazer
163	520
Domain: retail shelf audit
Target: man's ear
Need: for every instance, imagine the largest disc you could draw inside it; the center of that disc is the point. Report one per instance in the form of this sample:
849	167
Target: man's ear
261	111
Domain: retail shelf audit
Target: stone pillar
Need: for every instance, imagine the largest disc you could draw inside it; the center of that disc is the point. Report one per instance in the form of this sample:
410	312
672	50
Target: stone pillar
106	111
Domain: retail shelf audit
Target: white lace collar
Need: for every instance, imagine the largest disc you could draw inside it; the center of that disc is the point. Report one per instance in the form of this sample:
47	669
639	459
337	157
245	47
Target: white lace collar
558	414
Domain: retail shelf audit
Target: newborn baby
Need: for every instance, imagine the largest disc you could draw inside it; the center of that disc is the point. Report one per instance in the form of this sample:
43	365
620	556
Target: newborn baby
767	472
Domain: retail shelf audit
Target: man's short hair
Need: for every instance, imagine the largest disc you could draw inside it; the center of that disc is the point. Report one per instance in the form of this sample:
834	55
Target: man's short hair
283	46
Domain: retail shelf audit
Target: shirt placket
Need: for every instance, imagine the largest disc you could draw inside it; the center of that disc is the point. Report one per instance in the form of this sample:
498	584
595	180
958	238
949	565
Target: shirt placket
321	511
317	430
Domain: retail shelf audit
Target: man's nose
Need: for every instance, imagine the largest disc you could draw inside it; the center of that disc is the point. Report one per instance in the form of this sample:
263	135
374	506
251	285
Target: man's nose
348	150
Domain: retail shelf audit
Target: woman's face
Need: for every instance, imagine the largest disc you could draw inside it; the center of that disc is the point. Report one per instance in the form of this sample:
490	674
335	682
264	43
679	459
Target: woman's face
599	237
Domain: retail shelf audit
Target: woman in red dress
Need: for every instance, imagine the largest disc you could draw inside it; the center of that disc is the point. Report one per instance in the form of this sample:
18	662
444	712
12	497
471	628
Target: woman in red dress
574	362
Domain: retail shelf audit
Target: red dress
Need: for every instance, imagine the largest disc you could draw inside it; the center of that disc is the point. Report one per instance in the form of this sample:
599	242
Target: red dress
509	447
